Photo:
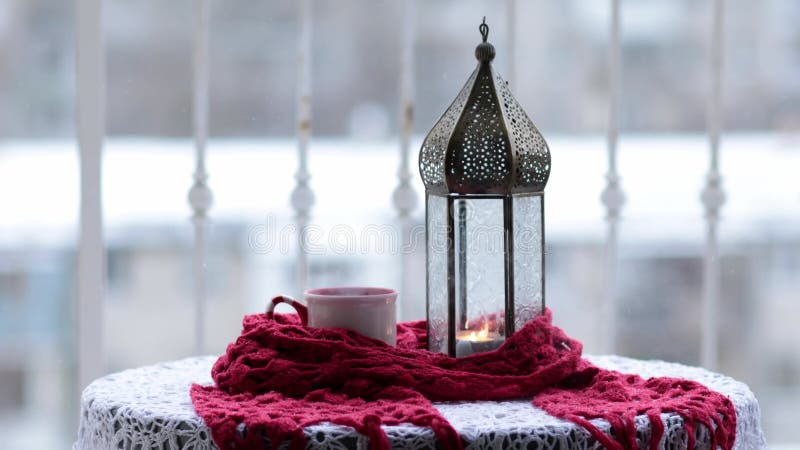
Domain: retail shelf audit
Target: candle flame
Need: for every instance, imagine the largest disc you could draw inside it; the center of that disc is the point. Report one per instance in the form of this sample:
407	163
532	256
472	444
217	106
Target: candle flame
482	334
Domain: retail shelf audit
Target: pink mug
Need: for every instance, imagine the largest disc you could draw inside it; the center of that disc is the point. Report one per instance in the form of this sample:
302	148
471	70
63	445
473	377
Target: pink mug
370	311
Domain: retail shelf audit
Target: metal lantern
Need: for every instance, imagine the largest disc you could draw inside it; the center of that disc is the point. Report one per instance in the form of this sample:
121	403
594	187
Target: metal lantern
484	165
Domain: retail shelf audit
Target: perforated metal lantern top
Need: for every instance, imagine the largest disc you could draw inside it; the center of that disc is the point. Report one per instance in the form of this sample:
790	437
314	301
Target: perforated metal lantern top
484	143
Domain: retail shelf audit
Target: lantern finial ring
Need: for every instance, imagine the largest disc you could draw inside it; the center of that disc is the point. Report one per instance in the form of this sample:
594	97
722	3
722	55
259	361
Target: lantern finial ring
484	29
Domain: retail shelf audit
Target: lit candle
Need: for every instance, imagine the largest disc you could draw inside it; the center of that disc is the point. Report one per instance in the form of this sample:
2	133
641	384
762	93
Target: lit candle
469	342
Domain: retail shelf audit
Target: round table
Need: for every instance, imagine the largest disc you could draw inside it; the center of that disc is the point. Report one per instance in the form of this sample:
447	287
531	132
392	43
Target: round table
150	408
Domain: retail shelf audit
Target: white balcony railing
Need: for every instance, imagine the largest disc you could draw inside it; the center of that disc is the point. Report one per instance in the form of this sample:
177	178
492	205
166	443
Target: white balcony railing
90	78
91	82
200	197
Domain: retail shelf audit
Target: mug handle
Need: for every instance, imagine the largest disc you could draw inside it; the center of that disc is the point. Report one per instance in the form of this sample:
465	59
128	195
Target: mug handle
302	310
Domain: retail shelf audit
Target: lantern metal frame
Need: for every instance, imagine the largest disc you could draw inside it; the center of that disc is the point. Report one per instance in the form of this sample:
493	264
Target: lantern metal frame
483	147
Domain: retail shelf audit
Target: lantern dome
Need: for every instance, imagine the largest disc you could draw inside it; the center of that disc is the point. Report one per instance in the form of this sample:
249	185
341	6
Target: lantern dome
484	143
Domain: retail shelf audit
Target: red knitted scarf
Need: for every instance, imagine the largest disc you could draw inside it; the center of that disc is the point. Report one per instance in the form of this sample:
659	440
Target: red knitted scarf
279	377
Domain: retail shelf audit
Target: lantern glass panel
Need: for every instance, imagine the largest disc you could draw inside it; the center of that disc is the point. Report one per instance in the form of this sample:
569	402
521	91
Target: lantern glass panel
528	258
437	243
480	274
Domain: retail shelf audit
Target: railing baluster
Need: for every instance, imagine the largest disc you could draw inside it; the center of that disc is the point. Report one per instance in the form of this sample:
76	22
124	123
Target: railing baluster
613	197
200	197
511	45
713	197
404	197
91	85
302	198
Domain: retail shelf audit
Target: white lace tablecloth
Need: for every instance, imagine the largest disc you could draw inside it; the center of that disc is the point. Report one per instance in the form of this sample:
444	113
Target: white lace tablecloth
149	408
